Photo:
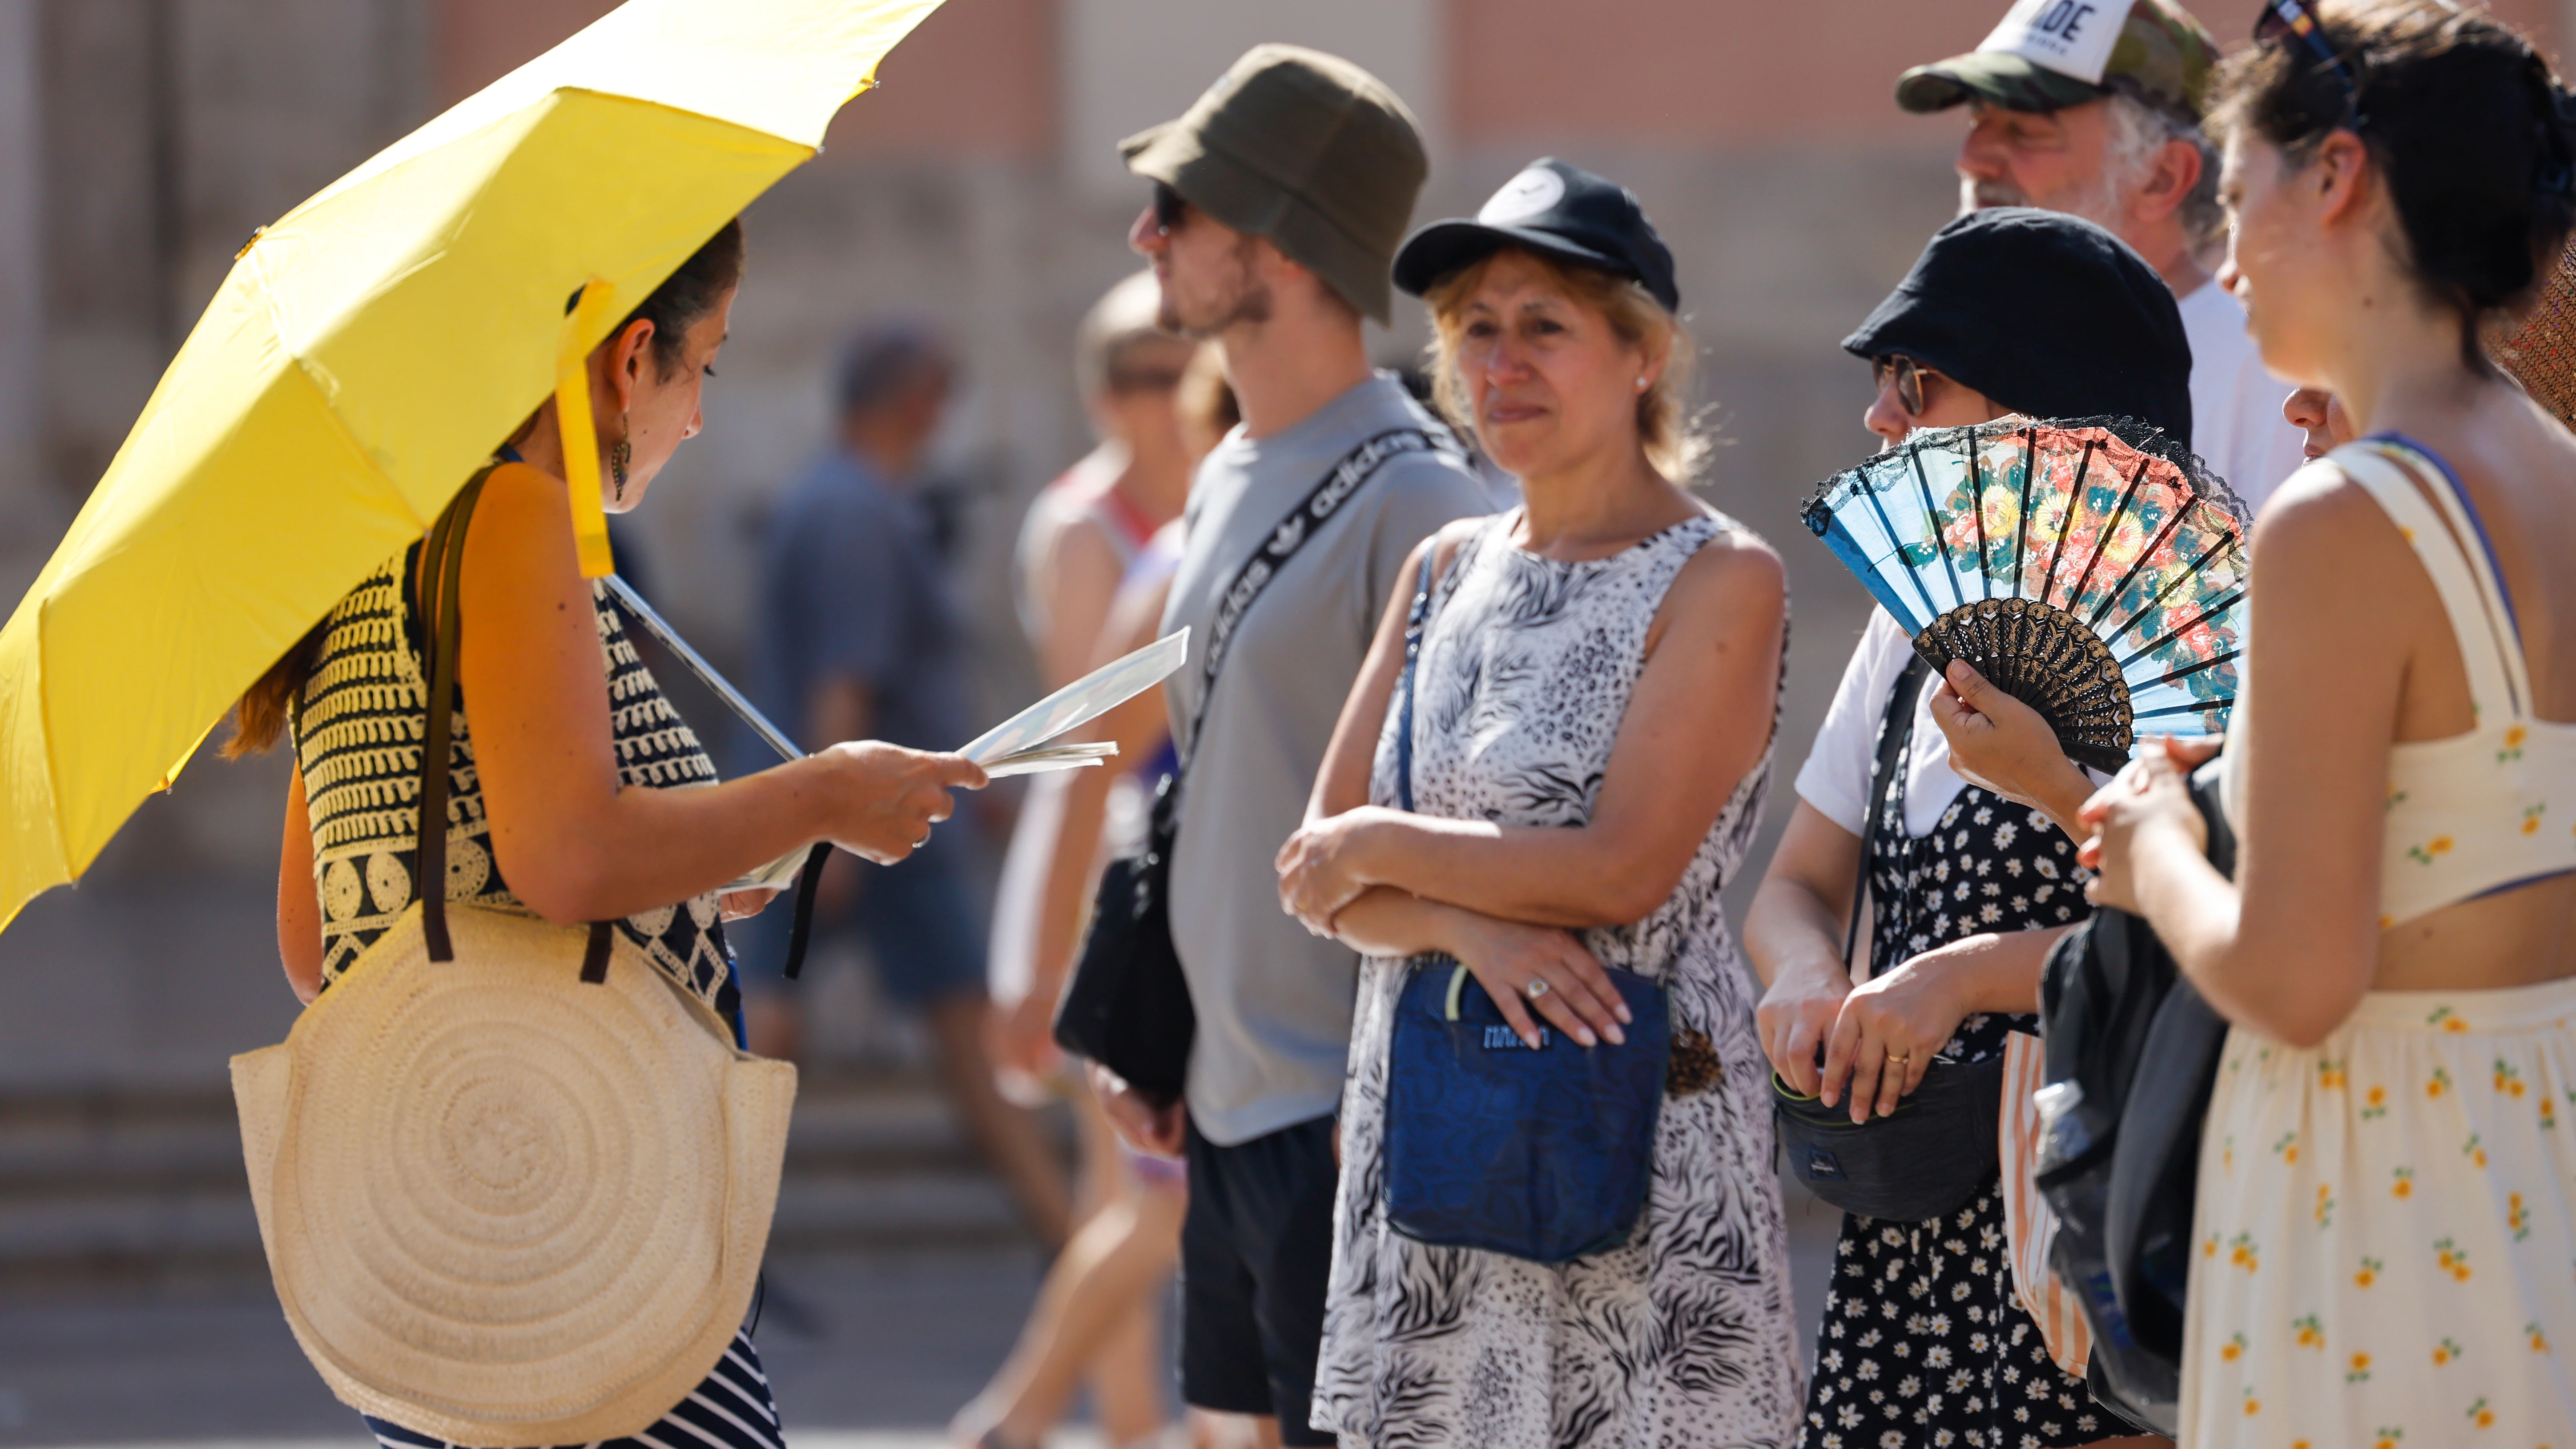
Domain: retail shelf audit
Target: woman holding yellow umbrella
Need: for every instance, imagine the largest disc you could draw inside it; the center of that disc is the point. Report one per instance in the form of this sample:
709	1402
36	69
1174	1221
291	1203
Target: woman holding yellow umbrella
513	1174
565	718
561	790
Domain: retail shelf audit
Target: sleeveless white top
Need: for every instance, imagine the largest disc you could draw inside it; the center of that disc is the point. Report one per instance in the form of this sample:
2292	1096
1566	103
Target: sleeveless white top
2495	807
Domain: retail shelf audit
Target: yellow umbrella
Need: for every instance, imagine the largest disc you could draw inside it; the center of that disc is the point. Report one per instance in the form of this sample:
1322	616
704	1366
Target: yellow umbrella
363	357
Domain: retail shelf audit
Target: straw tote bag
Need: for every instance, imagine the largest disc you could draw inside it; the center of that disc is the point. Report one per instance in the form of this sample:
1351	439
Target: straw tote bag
513	1182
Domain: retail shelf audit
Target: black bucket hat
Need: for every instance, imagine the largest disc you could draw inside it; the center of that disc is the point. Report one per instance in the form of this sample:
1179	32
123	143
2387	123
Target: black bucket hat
1557	210
2045	313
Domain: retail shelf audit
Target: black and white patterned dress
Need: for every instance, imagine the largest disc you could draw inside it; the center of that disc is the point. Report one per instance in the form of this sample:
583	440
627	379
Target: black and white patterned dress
359	724
360	721
1686	1336
1924	1344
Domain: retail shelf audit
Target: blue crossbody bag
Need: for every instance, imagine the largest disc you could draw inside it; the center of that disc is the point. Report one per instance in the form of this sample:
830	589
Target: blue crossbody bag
1541	1153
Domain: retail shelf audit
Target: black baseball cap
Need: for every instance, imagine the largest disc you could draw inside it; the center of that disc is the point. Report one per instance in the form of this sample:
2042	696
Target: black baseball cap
1557	210
2046	314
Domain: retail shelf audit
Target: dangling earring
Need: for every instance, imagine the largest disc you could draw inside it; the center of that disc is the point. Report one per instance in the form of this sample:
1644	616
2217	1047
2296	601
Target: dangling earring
620	454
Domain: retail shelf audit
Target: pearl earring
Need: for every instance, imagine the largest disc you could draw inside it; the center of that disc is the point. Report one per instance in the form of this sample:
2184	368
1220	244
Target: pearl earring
1641	384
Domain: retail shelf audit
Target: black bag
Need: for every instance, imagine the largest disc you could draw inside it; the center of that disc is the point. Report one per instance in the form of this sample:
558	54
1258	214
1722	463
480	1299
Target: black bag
1927	1159
1936	1151
1127	1004
2119	1148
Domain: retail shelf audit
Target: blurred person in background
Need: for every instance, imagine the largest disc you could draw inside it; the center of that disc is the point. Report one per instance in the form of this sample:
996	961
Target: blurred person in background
2095	110
1081	538
861	634
1087	534
1209	409
1278	201
1084	529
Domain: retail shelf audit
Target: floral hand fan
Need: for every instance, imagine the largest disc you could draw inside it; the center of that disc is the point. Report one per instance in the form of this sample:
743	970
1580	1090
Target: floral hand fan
2092	569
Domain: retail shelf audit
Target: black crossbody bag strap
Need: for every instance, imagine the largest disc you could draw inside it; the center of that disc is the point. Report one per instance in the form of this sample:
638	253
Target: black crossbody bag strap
1299	524
442	565
1895	737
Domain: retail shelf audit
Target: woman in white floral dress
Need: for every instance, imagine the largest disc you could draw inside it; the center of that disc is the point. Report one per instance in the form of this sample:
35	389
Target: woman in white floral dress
1591	744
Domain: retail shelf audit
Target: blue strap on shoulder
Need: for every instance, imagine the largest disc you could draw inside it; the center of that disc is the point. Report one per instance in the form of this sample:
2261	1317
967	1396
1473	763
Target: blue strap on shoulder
1413	622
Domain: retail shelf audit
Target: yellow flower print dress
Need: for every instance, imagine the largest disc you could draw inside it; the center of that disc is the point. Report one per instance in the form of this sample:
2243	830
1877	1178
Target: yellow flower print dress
2386	1221
2387	1231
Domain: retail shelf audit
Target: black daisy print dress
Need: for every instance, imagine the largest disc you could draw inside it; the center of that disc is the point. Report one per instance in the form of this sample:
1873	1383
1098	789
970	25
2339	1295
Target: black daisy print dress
1924	1344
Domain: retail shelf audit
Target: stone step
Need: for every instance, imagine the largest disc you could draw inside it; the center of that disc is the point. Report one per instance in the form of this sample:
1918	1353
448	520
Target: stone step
146	1186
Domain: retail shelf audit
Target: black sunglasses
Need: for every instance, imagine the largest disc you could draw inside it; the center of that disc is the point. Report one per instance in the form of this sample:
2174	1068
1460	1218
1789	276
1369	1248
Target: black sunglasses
1909	376
2294	22
1169	209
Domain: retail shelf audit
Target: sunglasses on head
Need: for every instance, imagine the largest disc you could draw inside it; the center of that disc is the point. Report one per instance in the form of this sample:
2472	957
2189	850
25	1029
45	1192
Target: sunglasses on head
2294	23
1169	209
1909	375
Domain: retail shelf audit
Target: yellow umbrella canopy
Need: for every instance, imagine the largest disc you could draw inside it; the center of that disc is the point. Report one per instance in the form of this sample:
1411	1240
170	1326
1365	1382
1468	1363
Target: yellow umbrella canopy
364	356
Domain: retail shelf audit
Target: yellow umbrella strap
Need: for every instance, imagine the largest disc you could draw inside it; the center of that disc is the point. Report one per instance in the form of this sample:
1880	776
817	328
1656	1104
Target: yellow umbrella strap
588	319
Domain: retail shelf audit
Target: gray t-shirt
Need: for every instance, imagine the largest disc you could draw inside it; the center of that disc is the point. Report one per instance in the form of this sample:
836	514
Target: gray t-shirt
1274	1003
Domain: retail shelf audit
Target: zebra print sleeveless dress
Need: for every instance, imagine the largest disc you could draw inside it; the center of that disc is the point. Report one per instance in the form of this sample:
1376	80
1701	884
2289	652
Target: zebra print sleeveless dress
1686	1335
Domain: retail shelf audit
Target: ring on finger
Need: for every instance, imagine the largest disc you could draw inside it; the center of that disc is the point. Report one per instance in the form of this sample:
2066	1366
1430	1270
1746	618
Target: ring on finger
1536	988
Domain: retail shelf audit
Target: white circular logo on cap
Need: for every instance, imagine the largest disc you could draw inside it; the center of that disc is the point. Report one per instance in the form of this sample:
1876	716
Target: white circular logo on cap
1532	193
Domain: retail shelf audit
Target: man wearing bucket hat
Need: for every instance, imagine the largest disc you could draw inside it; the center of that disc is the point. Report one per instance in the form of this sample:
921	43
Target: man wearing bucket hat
1279	198
2094	107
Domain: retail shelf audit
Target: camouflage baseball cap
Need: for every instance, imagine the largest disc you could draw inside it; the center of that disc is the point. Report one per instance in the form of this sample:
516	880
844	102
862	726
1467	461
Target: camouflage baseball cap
2049	54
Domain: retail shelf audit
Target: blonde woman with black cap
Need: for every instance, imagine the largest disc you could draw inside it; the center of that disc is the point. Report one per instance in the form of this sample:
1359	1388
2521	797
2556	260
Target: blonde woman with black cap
1590	719
1924	1336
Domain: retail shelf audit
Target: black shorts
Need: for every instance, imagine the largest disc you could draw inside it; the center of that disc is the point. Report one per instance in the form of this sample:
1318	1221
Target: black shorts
1256	1251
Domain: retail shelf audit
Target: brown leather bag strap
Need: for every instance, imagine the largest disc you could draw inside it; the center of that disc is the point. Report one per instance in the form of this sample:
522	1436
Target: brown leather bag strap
442	564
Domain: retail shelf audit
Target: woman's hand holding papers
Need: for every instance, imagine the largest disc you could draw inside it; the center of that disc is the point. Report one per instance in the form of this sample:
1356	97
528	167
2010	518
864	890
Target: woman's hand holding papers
880	800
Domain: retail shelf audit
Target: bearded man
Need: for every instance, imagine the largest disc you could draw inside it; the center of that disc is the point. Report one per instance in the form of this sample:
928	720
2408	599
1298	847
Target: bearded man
2094	108
1279	199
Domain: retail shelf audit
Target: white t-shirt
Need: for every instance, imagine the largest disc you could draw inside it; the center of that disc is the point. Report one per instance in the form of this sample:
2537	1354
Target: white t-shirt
2236	423
1835	778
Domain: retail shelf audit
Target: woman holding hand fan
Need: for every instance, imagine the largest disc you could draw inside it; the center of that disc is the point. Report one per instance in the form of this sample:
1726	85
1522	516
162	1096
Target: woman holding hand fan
2381	1229
1923	1335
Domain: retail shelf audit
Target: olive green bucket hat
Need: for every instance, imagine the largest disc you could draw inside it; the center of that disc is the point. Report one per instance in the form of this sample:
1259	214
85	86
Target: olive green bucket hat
2049	54
1305	149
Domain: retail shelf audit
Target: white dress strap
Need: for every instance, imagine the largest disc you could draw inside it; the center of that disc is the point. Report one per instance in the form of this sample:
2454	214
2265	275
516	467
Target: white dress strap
2502	630
2490	649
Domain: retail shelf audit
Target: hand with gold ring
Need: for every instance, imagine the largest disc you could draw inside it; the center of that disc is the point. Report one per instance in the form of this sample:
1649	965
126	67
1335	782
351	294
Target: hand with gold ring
1886	1031
1536	973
